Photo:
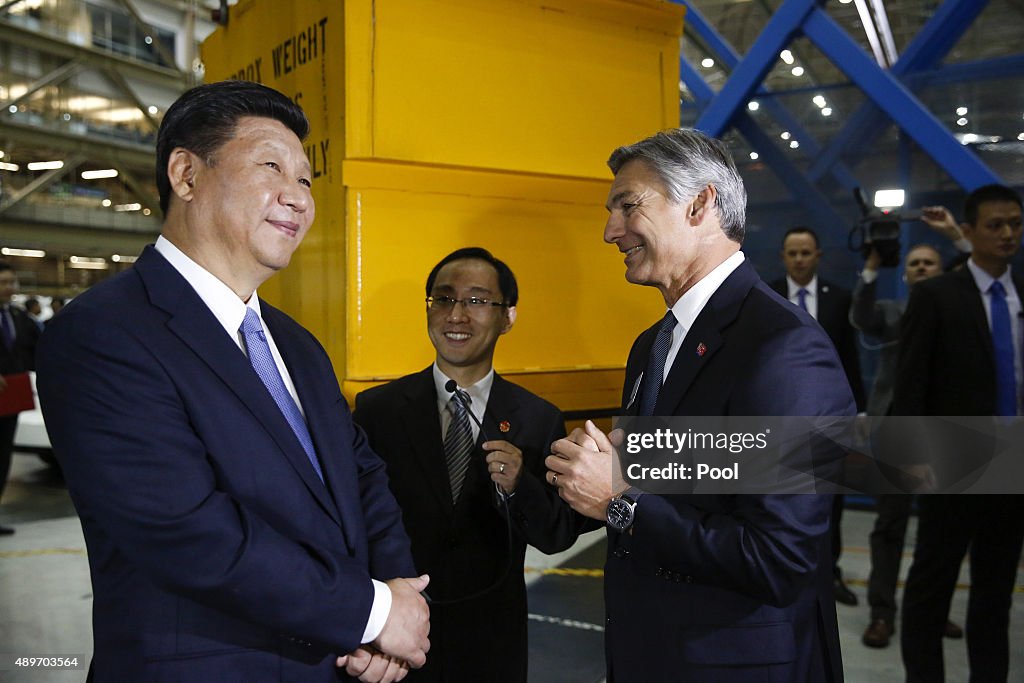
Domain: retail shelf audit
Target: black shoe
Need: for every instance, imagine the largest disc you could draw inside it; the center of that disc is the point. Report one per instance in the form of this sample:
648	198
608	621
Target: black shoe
6	530
842	593
878	633
952	631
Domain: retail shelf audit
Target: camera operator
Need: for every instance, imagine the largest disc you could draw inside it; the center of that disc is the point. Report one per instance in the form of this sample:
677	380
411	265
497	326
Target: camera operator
881	319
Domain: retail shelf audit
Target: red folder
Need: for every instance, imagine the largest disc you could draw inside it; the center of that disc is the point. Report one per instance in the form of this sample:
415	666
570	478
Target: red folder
18	395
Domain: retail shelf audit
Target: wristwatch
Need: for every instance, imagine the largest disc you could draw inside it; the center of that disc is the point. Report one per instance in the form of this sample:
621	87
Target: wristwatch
622	511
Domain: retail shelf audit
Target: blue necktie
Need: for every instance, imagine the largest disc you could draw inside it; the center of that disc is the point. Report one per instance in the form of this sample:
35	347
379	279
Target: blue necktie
458	443
1002	342
6	329
263	363
801	294
654	375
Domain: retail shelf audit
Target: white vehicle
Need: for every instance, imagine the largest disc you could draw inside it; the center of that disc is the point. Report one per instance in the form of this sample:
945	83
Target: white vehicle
31	436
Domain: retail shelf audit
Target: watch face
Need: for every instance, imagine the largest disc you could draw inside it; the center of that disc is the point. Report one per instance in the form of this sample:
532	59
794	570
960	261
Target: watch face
620	514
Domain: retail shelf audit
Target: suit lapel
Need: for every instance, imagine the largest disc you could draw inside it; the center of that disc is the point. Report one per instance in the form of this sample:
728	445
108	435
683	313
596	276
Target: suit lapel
422	425
635	367
972	304
704	338
196	326
320	409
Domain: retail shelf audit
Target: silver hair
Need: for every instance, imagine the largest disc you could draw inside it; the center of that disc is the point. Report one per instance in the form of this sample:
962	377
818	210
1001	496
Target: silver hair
687	161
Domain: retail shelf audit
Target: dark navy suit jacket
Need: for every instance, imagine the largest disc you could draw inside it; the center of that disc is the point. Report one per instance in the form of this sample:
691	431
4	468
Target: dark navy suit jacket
726	588
216	552
465	547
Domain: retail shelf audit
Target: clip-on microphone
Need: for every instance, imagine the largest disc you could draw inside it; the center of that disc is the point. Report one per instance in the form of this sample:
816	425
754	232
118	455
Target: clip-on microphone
452	388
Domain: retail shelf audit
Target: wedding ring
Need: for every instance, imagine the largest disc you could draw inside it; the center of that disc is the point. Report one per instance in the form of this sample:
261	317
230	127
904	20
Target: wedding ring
554	479
501	470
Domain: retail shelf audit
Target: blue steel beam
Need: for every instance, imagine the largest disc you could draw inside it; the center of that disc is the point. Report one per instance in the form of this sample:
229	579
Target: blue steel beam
750	72
950	21
1011	66
803	191
730	58
890	95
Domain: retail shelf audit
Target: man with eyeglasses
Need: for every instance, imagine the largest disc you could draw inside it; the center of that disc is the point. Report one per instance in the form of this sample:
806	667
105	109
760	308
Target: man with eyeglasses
456	476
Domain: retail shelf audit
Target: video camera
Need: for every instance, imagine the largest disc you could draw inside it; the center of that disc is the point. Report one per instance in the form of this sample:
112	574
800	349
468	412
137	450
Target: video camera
878	229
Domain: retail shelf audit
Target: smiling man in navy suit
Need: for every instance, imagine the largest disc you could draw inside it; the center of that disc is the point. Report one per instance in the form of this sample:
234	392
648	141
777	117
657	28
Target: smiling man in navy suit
724	588
239	527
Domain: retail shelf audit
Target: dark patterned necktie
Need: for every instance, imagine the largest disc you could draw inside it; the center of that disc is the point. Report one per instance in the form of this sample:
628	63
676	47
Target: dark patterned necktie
458	443
6	329
655	373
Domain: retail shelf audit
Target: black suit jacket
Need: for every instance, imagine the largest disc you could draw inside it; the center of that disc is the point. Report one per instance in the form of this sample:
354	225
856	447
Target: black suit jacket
21	356
834	318
465	547
732	589
946	362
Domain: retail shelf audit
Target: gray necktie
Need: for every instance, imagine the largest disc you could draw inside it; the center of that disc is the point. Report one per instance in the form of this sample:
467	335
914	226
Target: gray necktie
458	443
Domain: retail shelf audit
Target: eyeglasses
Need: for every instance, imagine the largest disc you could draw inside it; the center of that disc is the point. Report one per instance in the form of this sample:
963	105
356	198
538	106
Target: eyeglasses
472	304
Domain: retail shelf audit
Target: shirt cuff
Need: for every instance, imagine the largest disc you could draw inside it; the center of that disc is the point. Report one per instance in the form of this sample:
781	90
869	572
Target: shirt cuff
378	612
868	275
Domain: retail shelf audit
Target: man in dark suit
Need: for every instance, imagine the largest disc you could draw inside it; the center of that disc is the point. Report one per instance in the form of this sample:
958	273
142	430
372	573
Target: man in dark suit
458	492
18	337
960	354
721	588
239	527
830	306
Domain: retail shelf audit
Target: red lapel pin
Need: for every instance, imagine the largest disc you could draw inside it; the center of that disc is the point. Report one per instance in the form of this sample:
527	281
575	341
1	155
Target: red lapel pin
701	349
504	426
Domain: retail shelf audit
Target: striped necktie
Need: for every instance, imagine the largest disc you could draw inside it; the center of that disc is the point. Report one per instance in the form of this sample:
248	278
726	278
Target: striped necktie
458	443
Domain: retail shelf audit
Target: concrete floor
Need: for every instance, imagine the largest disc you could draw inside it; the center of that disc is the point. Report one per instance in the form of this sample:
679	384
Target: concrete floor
45	596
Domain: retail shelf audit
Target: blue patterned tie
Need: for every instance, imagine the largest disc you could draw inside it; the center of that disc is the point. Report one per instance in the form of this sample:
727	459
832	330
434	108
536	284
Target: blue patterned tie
263	363
654	375
458	443
801	294
1002	342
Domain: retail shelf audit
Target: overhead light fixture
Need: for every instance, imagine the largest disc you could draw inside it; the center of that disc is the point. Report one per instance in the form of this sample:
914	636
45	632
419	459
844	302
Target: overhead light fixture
968	138
793	144
819	100
148	40
105	202
1020	136
128	207
754	155
123	258
707	62
798	71
96	175
826	111
146	212
13	109
961	111
889	199
66	116
45	165
961	121
786	56
785	135
753	105
4	166
152	109
1	154
88	263
31	253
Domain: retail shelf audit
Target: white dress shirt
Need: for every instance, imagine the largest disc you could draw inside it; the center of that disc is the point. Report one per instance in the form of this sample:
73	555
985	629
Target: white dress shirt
229	311
812	294
690	304
479	393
